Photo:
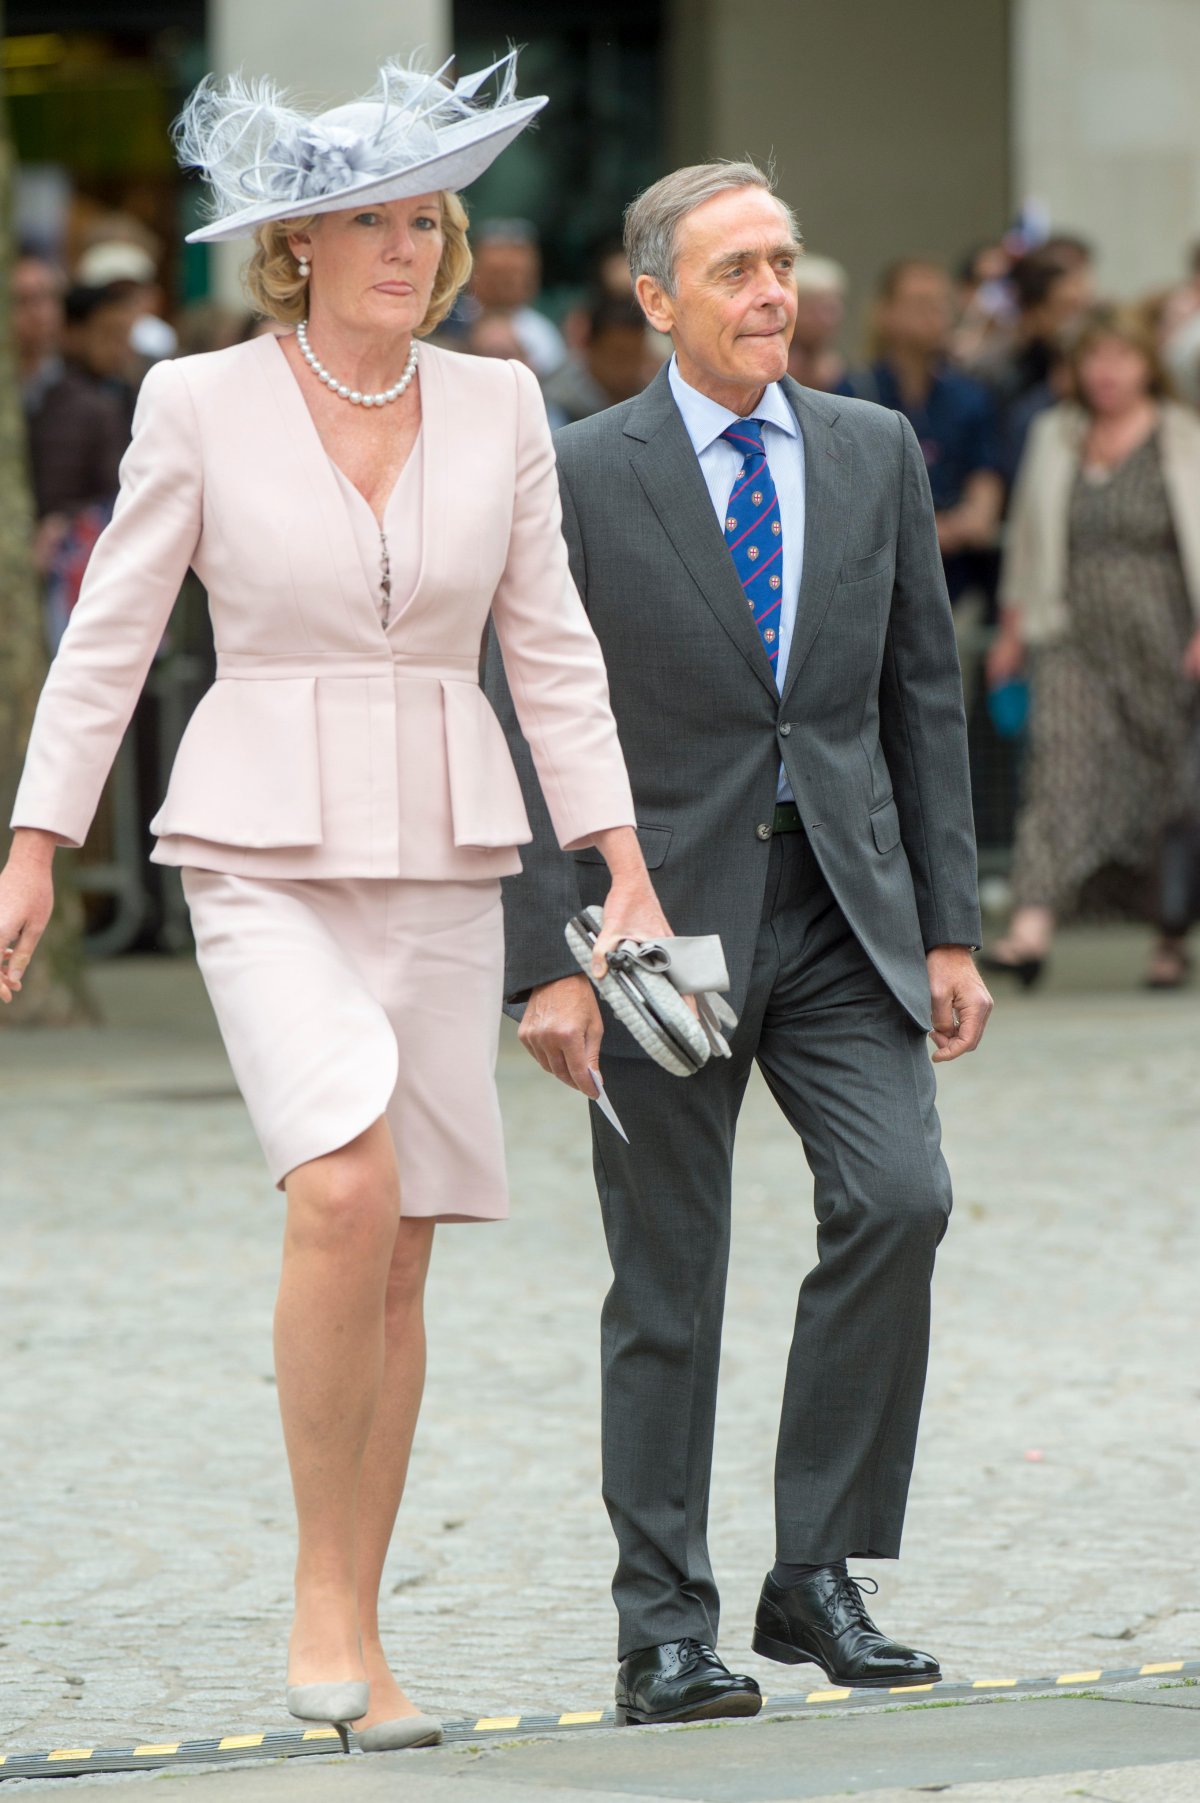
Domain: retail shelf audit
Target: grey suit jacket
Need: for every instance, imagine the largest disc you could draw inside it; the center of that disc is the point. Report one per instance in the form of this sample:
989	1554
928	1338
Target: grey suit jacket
869	720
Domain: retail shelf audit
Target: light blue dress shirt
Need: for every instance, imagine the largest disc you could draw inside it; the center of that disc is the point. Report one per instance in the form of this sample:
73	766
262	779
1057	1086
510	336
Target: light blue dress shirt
720	465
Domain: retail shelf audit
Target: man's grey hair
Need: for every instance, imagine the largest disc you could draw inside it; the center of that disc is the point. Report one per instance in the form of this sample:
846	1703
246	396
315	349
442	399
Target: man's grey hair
652	220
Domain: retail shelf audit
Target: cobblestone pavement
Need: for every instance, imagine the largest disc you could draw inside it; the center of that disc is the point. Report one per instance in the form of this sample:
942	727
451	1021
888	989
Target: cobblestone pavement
144	1513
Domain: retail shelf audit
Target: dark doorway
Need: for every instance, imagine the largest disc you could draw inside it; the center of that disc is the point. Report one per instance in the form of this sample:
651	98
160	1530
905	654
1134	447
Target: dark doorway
599	141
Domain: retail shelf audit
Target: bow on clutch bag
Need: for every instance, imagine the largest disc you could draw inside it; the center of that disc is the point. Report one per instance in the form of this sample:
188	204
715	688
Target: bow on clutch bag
645	987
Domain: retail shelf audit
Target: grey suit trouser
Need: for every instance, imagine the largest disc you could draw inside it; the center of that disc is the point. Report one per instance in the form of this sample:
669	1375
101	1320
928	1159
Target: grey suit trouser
850	1069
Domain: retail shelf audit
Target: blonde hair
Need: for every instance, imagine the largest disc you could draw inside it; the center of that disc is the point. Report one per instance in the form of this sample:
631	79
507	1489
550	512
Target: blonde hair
278	291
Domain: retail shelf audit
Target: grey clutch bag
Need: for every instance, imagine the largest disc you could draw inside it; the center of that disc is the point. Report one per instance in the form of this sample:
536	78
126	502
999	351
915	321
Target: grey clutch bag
645	987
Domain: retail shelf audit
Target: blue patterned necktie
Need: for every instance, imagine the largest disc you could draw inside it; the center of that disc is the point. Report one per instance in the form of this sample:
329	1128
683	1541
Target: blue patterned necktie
754	533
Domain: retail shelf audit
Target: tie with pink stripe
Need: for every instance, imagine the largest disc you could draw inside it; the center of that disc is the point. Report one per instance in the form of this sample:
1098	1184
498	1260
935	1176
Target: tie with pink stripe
754	533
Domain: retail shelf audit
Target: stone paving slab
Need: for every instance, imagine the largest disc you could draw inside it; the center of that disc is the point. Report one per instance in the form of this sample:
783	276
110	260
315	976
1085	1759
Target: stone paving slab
1000	1752
144	1513
1173	1783
905	1749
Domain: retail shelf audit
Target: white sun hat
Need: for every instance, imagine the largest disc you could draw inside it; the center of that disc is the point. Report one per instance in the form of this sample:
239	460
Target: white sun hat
265	159
115	260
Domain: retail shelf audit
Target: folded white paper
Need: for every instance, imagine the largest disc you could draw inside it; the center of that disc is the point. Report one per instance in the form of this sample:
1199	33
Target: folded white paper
604	1105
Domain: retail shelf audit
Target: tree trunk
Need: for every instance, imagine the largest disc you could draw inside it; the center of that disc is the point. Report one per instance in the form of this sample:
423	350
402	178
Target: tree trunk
55	990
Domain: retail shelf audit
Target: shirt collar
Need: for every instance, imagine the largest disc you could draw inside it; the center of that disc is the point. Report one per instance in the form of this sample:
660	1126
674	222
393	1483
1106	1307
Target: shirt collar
706	419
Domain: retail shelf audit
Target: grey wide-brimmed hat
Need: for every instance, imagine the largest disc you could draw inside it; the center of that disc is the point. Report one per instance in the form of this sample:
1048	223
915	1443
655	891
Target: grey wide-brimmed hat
414	134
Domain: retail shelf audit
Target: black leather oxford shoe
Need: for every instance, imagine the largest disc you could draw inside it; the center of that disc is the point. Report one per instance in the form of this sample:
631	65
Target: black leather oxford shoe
682	1681
823	1620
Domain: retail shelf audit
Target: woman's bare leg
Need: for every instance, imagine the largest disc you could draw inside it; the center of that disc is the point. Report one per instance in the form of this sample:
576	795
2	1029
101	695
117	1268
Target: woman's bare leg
385	1465
1030	934
1169	963
343	1213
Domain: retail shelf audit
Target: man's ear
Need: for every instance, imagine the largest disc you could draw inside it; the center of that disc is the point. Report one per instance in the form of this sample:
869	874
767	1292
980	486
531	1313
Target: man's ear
655	303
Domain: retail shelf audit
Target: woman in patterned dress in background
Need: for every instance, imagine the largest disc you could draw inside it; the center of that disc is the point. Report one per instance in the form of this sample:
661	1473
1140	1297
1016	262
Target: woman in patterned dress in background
1101	583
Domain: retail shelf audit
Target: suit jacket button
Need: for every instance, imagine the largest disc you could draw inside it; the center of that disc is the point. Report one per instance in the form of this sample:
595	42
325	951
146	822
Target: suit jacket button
763	831
785	729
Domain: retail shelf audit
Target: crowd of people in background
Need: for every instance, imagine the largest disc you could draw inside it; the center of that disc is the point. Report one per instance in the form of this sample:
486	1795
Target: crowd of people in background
1062	441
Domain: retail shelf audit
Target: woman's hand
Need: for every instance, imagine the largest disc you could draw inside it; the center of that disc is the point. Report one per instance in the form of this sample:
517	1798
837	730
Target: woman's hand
632	909
1005	659
1006	655
26	903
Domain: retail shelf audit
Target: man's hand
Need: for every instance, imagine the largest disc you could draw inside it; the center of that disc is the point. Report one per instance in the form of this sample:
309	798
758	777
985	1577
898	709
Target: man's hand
961	1003
562	1029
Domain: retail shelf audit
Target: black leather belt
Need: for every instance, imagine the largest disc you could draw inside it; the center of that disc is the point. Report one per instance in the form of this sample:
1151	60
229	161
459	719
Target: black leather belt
787	818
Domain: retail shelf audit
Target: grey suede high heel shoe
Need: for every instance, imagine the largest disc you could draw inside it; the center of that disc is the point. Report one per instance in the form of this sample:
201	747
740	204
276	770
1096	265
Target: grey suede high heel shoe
405	1731
335	1704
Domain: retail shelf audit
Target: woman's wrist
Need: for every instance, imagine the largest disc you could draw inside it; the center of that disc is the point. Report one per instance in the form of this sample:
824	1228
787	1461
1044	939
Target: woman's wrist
33	848
618	846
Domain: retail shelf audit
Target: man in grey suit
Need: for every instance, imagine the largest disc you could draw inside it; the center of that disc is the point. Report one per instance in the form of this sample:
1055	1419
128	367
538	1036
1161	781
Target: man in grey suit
761	565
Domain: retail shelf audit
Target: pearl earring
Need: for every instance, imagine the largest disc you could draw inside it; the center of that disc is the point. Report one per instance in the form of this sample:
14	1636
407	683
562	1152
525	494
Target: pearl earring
304	267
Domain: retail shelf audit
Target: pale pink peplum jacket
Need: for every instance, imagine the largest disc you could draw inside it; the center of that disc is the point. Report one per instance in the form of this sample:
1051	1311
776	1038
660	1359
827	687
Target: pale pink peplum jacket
329	747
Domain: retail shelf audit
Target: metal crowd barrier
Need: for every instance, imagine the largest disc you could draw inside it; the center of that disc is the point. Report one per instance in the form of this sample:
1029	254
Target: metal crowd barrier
149	898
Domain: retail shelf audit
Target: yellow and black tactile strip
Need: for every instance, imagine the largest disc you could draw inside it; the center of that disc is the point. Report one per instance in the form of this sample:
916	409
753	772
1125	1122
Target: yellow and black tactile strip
75	1762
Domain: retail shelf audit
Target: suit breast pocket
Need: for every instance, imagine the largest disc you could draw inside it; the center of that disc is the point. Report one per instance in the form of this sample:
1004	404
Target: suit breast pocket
874	565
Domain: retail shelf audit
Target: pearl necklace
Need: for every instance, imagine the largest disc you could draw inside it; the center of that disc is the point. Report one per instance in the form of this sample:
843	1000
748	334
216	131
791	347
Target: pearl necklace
352	394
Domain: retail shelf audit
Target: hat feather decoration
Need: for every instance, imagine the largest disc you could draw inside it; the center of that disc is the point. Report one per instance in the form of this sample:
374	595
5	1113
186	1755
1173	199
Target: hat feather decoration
261	155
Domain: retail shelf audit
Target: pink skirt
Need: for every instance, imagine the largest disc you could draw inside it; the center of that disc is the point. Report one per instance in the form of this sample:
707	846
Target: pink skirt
343	1001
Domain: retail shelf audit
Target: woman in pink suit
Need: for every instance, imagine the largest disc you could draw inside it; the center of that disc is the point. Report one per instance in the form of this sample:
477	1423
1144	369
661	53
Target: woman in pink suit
343	804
